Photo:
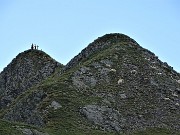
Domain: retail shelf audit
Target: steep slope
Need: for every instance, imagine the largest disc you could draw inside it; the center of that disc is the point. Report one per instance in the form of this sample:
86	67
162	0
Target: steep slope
26	70
98	44
113	86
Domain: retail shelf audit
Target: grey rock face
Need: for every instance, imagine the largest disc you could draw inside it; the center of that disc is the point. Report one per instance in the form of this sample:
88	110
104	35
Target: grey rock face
123	96
88	77
36	132
26	110
83	78
27	131
26	70
55	105
105	117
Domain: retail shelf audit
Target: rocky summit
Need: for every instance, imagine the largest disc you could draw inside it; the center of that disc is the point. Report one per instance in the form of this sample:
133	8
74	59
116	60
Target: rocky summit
113	86
25	71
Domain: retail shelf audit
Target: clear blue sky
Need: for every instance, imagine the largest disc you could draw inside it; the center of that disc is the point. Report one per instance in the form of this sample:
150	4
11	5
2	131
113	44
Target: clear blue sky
62	28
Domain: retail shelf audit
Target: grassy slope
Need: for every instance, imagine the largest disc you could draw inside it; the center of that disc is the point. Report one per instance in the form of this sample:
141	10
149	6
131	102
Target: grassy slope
7	128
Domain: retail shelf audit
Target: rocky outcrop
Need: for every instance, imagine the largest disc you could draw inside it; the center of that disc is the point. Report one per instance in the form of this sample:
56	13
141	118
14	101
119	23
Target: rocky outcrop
87	77
55	105
26	70
26	110
27	131
105	117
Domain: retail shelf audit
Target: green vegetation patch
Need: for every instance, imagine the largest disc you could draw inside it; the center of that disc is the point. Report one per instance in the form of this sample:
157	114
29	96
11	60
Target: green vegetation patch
7	128
157	131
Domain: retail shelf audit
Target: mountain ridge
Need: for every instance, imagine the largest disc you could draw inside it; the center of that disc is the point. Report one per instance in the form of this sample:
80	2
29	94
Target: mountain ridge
113	86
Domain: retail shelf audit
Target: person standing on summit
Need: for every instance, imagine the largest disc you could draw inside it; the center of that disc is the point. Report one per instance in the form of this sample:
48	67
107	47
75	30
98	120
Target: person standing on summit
32	46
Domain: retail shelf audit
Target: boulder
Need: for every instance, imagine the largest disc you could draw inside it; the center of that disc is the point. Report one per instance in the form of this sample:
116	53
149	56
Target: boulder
103	116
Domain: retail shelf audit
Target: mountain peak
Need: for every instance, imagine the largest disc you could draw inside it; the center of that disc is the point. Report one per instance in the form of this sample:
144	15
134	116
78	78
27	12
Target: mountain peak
100	44
115	37
27	69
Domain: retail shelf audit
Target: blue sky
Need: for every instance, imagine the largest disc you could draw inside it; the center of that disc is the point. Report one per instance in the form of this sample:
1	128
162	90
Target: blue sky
62	28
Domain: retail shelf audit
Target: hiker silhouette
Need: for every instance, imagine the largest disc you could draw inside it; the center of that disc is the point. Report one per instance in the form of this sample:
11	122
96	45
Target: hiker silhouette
32	46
